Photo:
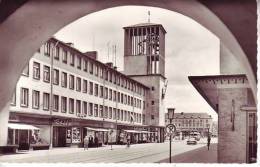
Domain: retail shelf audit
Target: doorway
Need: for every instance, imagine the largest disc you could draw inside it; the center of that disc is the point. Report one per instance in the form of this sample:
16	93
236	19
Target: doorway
59	137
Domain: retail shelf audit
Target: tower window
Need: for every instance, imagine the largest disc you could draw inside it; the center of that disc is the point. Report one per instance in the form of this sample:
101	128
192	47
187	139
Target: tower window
153	88
152	102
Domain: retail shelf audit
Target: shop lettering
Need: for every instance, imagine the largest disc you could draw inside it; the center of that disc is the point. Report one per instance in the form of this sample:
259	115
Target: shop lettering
61	122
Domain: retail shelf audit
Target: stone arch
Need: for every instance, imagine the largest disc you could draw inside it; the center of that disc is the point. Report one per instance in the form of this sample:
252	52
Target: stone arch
36	21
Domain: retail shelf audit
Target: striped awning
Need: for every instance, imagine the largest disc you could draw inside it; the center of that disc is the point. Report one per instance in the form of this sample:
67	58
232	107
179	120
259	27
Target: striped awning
22	126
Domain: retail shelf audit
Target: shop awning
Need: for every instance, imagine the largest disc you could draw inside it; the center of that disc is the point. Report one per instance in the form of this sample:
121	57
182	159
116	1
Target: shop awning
97	129
136	131
21	126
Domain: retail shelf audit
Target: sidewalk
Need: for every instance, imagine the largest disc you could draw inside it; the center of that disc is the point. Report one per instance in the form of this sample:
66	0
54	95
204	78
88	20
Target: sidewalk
200	155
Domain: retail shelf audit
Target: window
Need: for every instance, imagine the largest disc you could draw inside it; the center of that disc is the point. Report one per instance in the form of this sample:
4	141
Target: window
36	70
71	82
122	115
96	70
85	86
72	59
91	88
105	112
35	99
55	102
125	115
95	110
78	106
110	113
24	97
63	104
152	87
91	68
101	72
64	79
13	101
85	107
26	70
56	77
85	65
71	106
152	116
110	94
110	76
65	56
106	93
46	101
96	90
90	109
46	73
101	111
118	97
114	113
101	91
128	116
78	84
114	95
78	61
118	114
47	49
122	98
152	102
57	53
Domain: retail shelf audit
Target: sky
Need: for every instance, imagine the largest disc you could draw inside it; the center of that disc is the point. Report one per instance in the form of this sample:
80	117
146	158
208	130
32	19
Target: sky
191	49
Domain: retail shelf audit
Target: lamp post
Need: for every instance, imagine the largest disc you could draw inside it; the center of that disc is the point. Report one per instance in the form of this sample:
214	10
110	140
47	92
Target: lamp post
170	117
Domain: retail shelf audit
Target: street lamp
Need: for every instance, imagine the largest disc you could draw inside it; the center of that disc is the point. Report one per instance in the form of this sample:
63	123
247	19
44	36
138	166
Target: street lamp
170	117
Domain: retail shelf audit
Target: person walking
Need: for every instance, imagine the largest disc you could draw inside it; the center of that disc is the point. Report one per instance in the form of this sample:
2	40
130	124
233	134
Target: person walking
208	141
128	141
96	141
86	142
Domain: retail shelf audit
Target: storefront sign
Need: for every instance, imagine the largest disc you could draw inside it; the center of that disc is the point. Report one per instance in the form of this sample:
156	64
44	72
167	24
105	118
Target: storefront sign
68	136
61	122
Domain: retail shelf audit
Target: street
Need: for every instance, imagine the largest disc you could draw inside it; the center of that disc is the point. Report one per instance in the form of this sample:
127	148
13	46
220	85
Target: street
145	153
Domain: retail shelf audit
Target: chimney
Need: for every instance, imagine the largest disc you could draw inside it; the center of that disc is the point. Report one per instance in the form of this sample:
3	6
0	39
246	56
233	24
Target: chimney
92	54
70	44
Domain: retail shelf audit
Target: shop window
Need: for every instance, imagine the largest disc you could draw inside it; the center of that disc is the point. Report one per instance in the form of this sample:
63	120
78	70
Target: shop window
24	97
35	99
46	101
46	74
36	70
63	104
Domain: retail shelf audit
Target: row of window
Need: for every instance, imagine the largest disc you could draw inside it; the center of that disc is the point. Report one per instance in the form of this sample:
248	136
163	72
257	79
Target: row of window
84	86
70	105
82	62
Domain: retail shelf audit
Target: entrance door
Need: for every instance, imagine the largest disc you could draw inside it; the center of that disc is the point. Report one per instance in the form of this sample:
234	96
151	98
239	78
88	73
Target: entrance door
251	138
59	137
23	140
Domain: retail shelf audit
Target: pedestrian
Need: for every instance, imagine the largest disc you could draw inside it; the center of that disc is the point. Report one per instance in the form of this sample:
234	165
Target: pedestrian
208	141
128	141
86	142
90	141
96	141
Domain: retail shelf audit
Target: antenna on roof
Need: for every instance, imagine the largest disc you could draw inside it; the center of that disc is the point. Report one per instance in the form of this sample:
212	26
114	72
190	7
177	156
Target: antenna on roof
149	13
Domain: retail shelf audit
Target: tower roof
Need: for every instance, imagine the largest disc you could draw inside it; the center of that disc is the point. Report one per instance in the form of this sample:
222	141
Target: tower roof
145	25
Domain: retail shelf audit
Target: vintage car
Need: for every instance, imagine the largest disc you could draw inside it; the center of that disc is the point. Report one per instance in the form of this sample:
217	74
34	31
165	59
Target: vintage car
191	140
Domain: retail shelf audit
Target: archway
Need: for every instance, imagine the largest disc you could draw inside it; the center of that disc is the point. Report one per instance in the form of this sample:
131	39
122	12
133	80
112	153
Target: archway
30	26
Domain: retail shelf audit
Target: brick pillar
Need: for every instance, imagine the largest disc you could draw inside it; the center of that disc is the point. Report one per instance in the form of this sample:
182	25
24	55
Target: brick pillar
232	144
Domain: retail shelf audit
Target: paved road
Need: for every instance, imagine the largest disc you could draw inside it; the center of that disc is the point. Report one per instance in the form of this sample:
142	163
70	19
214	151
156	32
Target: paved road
151	152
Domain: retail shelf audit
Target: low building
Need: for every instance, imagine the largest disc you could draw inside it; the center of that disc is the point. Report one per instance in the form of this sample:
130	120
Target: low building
190	122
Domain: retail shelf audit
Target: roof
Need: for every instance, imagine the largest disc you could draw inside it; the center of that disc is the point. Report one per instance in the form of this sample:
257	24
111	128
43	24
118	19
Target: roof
191	115
146	25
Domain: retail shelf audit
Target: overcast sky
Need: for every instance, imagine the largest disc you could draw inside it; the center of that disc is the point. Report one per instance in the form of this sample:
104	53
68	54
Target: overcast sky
190	48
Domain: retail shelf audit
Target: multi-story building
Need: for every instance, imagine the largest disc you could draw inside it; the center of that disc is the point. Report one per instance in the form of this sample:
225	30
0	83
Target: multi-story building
63	95
188	122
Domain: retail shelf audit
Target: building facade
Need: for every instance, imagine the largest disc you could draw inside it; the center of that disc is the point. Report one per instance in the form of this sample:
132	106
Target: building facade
232	98
63	95
190	122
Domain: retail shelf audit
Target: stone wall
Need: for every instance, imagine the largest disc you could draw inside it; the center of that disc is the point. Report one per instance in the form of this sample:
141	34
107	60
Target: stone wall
232	144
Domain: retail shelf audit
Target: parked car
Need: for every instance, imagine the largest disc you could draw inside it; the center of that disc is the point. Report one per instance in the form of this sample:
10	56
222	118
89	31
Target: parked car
196	135
192	140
